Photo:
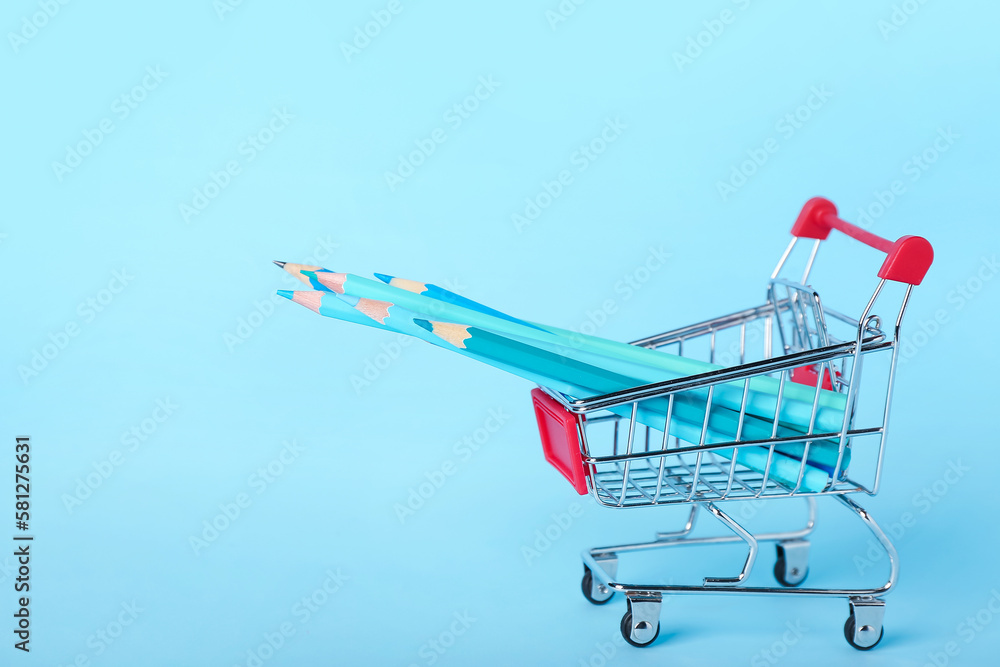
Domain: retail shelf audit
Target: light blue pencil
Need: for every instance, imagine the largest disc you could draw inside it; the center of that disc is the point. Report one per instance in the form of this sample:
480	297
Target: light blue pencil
651	366
379	314
796	407
442	294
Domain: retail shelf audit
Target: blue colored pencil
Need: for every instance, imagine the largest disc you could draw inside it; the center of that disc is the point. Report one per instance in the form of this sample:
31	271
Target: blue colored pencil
442	294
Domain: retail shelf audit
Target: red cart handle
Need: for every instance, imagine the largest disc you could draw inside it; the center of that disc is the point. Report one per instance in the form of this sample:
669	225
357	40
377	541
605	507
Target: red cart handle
909	257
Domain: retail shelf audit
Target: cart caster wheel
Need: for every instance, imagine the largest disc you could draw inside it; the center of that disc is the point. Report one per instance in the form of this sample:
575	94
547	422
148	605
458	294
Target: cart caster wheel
642	633
863	643
627	631
792	565
786	578
595	592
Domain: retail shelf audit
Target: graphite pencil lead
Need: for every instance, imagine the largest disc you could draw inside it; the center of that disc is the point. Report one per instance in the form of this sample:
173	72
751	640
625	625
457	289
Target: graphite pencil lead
280	265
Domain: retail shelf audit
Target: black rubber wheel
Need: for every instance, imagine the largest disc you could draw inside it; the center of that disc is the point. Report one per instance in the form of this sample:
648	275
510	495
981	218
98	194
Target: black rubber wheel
780	572
626	628
587	586
849	635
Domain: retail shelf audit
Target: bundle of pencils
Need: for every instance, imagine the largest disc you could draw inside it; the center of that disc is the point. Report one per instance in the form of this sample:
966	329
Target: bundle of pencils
583	366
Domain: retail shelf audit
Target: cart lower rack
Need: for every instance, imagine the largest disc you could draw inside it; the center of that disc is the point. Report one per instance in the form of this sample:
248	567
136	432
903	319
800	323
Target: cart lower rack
607	445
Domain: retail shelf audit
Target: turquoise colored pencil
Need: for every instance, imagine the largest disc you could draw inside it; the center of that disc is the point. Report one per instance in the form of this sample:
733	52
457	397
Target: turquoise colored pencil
536	365
794	413
316	302
688	410
297	270
686	420
390	317
539	366
797	400
442	294
377	313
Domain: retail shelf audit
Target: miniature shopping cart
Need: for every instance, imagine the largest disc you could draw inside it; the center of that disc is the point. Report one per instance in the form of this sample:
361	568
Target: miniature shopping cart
602	446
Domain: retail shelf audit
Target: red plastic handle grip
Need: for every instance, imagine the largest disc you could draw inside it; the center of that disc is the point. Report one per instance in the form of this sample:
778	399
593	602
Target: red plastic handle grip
908	257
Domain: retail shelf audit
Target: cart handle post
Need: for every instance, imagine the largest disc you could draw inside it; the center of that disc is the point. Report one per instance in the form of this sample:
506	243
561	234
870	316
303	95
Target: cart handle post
908	257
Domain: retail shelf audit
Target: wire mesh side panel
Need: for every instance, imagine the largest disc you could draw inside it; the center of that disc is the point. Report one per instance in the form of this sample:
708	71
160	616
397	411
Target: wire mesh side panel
657	476
716	439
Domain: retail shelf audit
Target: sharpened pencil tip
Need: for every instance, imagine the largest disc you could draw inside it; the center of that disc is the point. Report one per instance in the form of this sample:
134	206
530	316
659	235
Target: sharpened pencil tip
384	278
424	324
281	265
287	293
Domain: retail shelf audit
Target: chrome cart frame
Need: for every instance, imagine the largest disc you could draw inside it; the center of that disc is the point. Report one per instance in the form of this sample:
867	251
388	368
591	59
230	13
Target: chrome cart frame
606	449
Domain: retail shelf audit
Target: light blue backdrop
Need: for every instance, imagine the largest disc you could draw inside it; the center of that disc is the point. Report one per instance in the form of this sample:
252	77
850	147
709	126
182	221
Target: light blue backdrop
156	158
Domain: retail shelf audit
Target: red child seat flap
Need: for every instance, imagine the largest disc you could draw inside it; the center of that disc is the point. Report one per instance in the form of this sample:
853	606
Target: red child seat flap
560	439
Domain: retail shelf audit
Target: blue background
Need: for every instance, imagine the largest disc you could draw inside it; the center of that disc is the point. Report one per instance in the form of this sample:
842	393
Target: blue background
196	323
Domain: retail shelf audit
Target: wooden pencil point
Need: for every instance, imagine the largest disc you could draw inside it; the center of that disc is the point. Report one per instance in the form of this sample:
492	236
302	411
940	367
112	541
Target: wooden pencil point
309	299
332	281
297	269
375	309
456	334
